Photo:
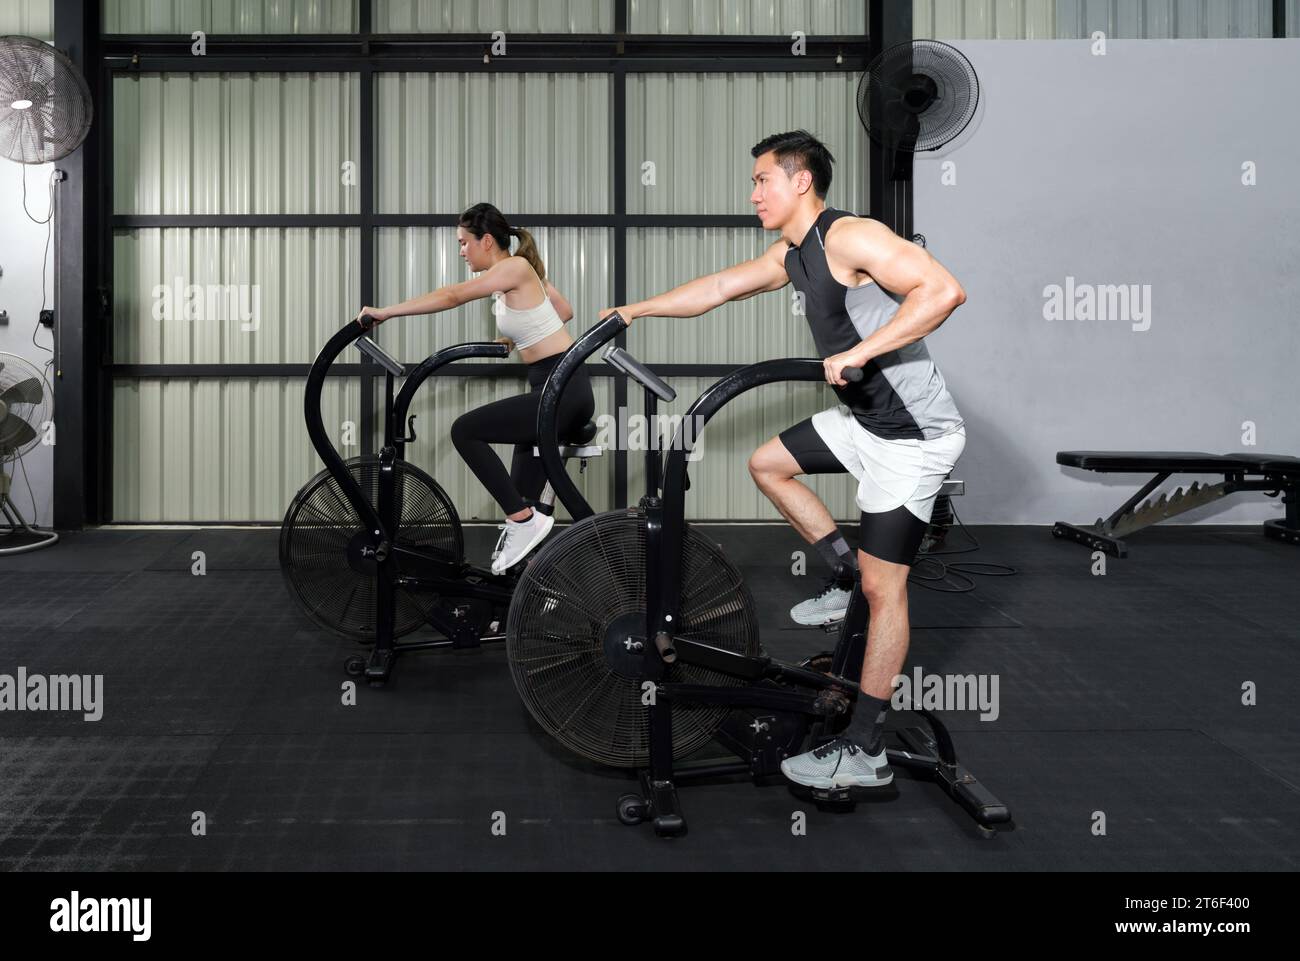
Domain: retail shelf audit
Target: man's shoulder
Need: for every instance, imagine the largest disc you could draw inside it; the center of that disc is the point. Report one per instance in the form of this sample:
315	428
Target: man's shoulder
848	218
779	248
850	225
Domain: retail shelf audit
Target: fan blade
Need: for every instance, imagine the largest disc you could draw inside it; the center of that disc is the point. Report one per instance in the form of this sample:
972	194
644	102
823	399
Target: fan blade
15	433
24	392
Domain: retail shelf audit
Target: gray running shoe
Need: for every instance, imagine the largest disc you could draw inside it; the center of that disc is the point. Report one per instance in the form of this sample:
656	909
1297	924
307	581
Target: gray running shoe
839	764
828	607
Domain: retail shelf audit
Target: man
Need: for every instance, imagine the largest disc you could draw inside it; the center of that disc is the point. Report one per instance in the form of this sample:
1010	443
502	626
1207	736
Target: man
870	298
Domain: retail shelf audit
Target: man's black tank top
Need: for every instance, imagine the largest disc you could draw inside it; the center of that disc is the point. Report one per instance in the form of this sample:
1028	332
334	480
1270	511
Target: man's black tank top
903	396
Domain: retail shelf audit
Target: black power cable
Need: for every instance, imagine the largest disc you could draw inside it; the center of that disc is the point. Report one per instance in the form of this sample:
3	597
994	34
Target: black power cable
929	571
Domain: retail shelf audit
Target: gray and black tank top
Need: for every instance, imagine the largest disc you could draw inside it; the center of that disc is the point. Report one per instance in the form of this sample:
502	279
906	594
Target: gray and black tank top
903	396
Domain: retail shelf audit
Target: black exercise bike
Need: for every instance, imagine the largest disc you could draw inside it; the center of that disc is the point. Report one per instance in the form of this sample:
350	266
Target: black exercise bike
635	642
372	548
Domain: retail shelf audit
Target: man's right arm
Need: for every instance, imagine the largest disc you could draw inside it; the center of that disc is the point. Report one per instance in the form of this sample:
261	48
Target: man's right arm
699	296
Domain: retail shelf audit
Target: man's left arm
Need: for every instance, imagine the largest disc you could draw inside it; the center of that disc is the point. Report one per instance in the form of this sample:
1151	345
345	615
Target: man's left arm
903	268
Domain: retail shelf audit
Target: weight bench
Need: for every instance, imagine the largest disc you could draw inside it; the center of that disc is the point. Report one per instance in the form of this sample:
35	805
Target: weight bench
1274	474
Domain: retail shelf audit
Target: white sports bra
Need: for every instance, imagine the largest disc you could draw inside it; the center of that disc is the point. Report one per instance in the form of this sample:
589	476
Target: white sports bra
527	327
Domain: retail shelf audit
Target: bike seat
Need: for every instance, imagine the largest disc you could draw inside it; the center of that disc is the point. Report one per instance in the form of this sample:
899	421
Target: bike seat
580	437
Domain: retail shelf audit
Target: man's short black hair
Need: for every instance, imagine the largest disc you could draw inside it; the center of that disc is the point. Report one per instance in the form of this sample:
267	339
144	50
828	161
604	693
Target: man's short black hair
800	150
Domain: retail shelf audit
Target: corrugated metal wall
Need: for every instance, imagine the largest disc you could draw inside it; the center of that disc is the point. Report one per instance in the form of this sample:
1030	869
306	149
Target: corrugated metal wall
751	17
276	143
187	449
1160	19
757	329
671	119
230	16
985	19
487	16
1072	19
228	144
231	449
299	285
531	143
208	143
27	18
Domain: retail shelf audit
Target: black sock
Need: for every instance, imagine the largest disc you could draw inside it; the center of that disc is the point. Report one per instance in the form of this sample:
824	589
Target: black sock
867	727
837	554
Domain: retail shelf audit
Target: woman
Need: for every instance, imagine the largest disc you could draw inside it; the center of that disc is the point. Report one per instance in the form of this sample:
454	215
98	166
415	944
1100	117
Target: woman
535	325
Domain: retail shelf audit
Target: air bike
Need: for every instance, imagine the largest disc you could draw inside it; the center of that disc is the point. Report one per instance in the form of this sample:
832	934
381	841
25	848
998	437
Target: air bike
372	548
633	608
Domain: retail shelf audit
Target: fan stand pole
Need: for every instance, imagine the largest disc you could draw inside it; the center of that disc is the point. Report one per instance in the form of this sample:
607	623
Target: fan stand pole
17	524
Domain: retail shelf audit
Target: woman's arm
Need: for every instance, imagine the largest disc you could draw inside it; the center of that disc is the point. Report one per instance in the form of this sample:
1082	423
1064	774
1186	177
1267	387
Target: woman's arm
561	305
499	278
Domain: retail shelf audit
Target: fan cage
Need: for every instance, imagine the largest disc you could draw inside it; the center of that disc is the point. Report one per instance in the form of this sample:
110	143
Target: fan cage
336	589
57	110
906	76
577	589
25	406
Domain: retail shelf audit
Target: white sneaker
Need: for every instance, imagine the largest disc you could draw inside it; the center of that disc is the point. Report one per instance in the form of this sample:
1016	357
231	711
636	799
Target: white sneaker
841	763
520	539
828	607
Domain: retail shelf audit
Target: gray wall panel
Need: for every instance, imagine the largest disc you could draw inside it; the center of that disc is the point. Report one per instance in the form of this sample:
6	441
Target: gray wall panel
1164	19
302	283
530	143
698	129
230	16
751	17
999	19
208	143
27	18
231	450
1074	19
487	16
760	328
1153	196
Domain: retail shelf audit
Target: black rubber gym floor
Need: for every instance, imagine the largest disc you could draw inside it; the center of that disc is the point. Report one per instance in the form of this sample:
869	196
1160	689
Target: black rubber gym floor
1120	694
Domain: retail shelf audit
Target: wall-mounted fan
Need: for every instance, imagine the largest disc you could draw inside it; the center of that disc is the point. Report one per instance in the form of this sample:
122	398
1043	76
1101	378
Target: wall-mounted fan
915	97
45	106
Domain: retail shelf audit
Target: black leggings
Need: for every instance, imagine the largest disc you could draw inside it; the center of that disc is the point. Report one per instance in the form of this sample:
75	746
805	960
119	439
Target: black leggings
514	421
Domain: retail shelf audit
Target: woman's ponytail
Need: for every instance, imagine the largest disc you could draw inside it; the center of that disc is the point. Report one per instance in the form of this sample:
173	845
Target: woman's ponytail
528	251
485	219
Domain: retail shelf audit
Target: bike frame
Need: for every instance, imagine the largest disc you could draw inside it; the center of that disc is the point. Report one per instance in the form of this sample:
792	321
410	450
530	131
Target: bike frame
819	699
397	565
